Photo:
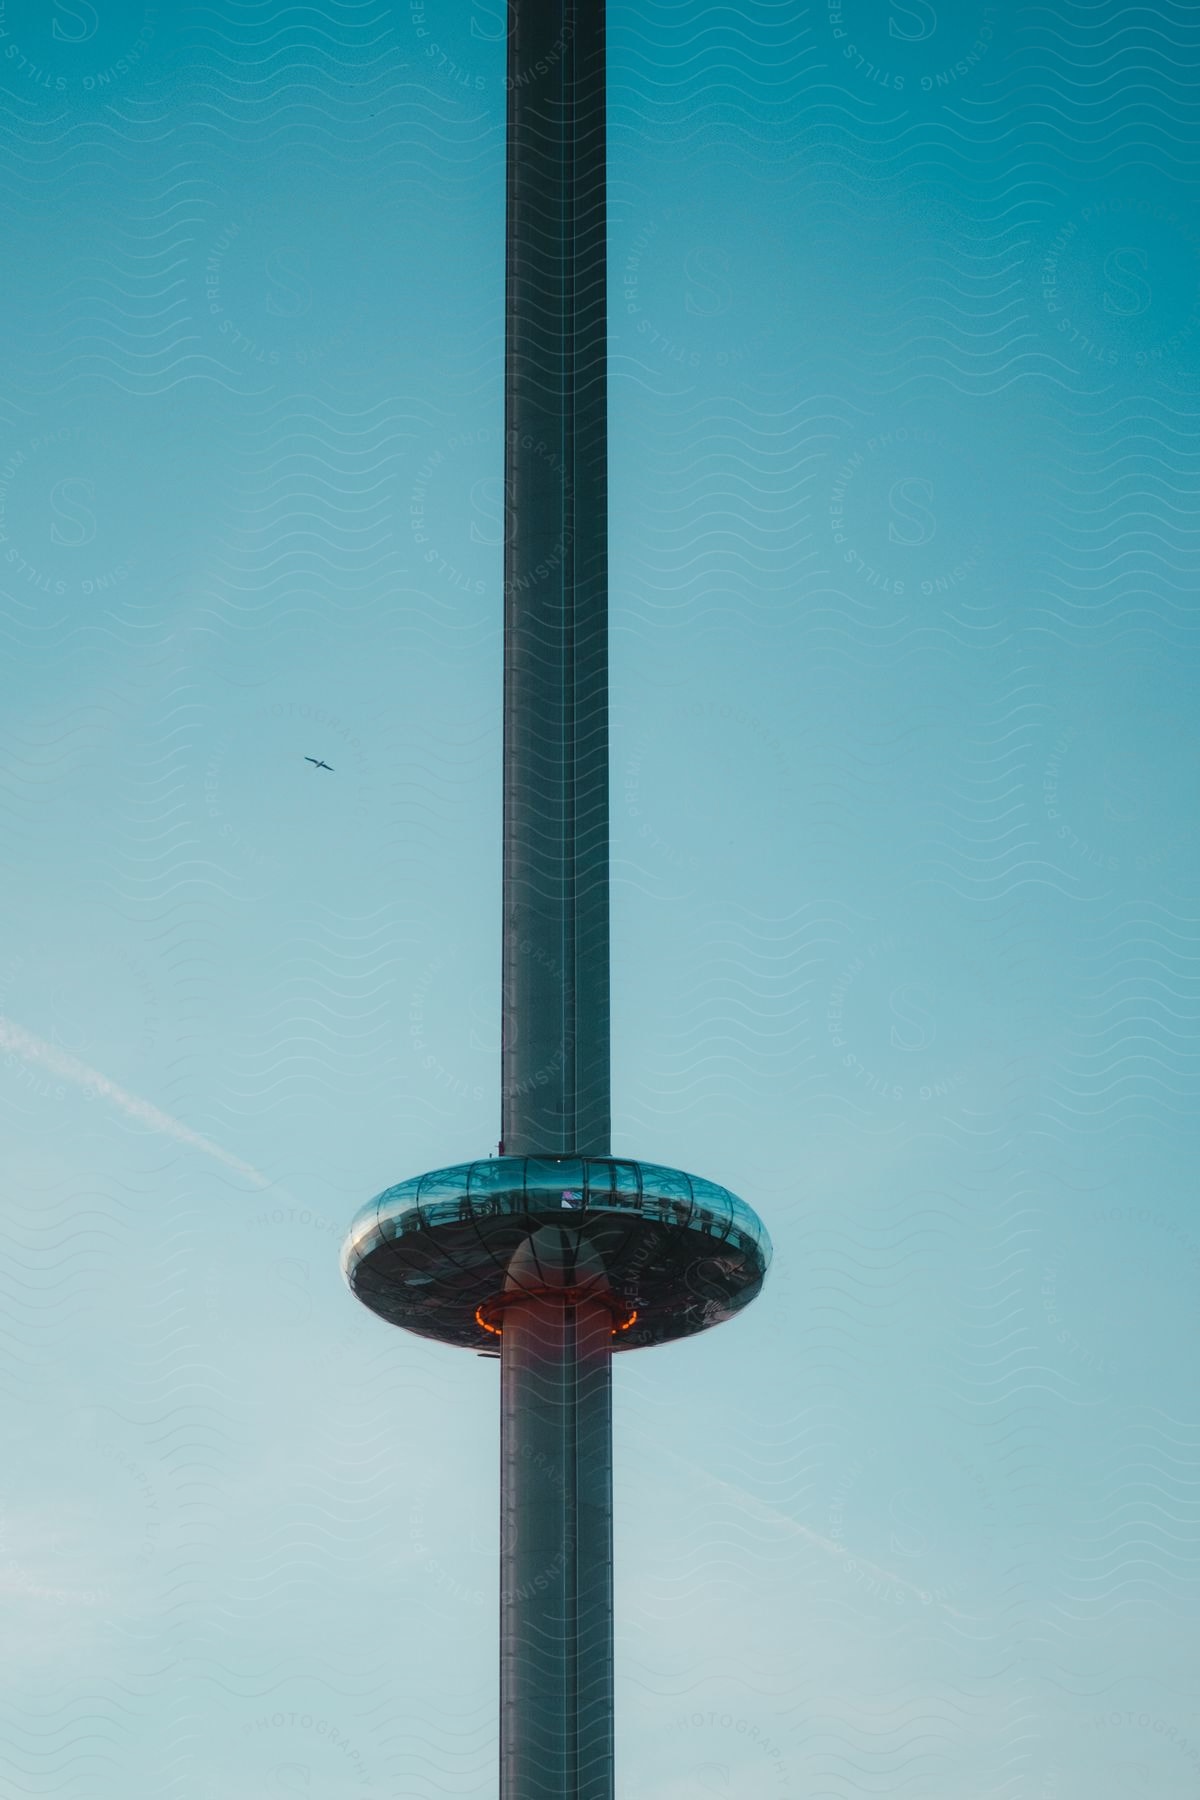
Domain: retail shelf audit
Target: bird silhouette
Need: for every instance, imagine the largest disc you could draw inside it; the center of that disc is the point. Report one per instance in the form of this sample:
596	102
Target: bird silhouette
318	764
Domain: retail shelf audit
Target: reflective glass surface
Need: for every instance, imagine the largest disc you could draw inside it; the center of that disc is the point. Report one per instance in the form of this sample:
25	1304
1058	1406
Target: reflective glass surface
682	1253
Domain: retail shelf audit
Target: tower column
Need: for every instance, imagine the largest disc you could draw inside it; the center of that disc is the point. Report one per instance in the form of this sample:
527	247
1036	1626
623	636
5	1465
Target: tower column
556	1652
556	1347
555	1045
519	1244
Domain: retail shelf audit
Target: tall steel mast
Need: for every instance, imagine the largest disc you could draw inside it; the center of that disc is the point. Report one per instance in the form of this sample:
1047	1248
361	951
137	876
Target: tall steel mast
555	1057
556	1633
555	1254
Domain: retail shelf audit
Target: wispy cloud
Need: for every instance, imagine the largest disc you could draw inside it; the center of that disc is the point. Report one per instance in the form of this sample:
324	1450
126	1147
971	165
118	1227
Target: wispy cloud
832	1547
35	1050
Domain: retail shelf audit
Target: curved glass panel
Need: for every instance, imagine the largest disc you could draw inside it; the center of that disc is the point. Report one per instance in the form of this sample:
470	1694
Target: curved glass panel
744	1217
442	1185
547	1179
494	1186
395	1206
363	1226
666	1194
511	1185
671	1184
623	1182
714	1208
428	1252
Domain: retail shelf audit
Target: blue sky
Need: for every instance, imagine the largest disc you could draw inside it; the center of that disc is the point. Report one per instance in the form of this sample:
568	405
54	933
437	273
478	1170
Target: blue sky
905	314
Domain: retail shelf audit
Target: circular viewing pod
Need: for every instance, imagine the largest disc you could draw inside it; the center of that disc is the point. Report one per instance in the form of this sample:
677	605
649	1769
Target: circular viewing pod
436	1254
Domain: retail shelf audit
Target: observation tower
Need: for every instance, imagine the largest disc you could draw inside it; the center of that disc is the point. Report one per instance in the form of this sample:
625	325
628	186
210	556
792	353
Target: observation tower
555	1254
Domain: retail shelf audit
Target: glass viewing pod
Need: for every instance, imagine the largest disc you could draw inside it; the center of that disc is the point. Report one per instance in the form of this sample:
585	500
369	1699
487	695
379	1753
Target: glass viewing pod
678	1253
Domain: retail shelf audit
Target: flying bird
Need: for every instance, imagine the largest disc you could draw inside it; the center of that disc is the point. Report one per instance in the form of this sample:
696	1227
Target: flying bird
318	764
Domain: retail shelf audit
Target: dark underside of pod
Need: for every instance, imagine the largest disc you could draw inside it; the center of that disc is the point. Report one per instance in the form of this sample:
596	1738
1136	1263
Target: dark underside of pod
666	1280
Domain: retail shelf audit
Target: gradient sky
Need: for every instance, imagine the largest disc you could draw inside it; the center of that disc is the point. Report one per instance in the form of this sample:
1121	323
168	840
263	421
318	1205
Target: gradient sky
905	405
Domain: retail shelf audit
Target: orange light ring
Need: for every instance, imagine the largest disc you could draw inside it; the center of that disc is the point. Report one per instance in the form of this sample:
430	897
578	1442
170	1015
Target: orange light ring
569	1296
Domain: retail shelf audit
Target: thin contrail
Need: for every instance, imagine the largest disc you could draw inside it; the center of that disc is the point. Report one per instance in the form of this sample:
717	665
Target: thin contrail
829	1546
35	1050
